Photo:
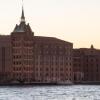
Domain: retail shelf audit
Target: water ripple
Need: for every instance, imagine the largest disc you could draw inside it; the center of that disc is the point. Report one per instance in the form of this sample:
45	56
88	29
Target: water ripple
75	92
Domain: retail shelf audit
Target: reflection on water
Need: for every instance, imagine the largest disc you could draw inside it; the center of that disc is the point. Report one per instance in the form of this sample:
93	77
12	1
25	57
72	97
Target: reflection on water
75	92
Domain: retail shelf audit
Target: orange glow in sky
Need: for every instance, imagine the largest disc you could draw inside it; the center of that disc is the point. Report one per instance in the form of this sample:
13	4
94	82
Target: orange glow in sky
76	21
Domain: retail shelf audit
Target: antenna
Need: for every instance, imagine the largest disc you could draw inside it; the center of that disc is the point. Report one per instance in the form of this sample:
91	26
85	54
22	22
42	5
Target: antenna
22	4
22	16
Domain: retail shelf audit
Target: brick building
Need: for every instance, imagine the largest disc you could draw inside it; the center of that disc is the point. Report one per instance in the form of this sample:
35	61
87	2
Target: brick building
5	58
86	65
53	60
27	58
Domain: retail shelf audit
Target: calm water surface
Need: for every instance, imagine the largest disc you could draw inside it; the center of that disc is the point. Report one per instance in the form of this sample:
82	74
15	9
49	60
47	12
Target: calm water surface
75	92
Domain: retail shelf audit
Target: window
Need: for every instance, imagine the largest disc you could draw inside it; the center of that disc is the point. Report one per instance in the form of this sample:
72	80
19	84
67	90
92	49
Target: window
47	69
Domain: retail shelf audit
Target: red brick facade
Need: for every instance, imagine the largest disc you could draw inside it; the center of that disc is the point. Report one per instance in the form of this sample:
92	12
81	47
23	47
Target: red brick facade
86	65
5	59
53	60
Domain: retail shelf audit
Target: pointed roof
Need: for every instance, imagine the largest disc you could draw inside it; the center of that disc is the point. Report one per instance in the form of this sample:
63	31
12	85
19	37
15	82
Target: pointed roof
23	27
22	13
92	47
22	16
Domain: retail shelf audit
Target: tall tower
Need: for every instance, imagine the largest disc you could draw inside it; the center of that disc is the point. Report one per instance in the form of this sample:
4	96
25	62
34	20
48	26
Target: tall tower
22	52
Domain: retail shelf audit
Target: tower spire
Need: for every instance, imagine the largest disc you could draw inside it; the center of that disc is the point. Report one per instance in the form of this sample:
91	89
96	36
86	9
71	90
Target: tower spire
22	16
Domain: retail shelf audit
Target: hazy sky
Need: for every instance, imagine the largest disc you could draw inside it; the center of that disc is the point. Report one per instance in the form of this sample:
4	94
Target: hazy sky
76	21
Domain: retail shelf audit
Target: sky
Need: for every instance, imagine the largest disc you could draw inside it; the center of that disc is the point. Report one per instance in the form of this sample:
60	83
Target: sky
76	21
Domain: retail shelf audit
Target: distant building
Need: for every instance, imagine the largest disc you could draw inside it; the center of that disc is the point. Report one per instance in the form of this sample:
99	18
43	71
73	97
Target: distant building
27	58
86	65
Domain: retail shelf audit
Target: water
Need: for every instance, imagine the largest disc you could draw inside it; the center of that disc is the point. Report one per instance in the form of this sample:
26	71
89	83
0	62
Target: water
74	92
